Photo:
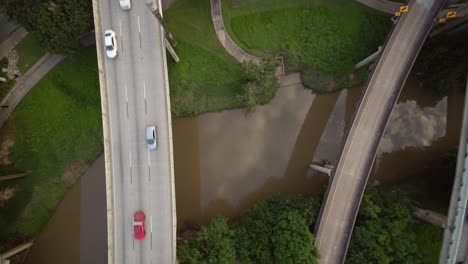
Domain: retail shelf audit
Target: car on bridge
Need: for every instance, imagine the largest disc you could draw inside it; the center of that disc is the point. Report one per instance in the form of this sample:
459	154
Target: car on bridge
110	44
151	137
125	4
139	225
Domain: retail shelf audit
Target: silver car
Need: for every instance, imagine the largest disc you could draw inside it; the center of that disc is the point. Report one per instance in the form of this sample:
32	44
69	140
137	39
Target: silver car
125	4
151	137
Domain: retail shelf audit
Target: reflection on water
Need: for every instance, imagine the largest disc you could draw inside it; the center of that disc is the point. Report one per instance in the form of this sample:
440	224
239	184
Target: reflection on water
331	138
413	126
423	126
225	162
241	153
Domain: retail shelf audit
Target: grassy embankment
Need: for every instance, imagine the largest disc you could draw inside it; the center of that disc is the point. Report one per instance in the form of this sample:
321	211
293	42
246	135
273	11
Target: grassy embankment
30	51
207	78
322	40
56	131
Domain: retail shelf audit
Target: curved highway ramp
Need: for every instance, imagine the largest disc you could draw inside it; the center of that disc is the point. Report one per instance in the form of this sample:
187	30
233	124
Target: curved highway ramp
349	178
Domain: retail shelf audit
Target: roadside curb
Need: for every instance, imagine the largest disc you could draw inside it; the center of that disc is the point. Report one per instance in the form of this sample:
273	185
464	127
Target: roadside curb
106	135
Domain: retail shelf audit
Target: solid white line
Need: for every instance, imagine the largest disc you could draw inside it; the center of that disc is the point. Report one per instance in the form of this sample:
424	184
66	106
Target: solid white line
139	24
126	93
151	223
144	89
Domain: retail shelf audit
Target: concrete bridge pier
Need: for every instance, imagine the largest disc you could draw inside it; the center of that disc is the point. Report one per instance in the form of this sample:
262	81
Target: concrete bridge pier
431	217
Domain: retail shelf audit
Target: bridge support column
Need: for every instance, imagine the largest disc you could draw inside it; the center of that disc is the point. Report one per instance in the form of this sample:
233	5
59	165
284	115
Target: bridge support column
4	256
151	4
367	60
430	217
327	169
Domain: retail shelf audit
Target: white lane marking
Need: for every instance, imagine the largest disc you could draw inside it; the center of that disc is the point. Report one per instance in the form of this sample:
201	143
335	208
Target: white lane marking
151	223
138	23
144	89
149	161
126	93
130	159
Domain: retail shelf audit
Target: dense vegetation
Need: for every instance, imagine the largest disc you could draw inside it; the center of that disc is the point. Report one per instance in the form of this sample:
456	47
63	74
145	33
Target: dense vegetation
321	40
275	230
59	22
385	230
443	62
55	132
278	230
207	78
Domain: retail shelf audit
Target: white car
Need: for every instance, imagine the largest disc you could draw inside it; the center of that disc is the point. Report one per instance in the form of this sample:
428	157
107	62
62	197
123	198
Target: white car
151	137
125	4
110	44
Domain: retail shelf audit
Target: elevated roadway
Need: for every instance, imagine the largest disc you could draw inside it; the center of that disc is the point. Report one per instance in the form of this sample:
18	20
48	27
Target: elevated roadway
134	94
455	244
349	178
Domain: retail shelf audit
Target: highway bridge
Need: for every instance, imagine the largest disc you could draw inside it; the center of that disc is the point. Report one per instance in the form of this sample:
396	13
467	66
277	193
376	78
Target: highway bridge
134	94
349	178
455	244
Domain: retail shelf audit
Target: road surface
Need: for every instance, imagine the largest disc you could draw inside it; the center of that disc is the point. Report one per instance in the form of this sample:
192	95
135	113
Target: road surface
348	181
135	96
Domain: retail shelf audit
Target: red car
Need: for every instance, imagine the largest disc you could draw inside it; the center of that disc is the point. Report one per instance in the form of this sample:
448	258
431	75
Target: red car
139	225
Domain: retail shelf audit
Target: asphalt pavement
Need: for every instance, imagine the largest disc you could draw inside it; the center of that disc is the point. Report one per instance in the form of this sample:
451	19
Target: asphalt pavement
136	93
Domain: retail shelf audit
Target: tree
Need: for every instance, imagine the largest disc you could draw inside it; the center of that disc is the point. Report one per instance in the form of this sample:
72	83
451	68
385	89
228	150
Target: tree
213	244
384	231
254	229
292	240
260	83
59	22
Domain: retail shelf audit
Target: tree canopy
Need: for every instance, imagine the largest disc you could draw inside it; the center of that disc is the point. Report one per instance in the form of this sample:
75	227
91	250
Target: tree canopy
59	22
275	230
213	244
384	231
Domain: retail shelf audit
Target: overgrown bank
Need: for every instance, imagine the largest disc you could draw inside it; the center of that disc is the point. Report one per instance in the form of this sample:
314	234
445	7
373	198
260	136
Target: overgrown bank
279	230
53	134
207	78
321	40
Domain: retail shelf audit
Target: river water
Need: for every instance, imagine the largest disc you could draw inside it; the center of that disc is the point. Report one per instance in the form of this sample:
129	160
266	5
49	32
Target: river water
225	162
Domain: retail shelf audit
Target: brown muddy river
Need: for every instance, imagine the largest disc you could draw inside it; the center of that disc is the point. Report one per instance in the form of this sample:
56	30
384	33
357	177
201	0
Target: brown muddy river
225	162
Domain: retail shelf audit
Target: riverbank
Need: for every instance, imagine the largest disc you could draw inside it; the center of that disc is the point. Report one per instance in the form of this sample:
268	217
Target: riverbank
321	40
53	134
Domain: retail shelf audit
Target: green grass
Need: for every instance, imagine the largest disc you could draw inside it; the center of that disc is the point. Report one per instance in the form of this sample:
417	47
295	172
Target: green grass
5	86
207	78
321	39
57	125
30	51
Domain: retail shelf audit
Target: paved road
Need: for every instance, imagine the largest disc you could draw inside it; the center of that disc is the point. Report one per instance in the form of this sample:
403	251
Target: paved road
350	176
136	95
